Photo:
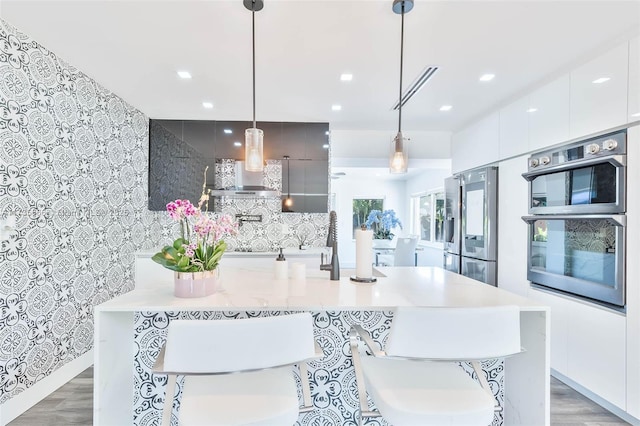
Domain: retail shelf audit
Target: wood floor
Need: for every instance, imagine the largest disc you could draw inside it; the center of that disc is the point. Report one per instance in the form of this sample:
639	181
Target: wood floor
72	404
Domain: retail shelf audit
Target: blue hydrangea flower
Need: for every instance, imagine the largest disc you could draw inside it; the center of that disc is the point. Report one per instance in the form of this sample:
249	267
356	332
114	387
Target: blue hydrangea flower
382	222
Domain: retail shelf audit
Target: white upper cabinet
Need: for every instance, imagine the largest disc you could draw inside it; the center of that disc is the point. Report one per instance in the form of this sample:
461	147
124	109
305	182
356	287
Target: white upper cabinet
599	93
514	129
476	145
634	80
549	116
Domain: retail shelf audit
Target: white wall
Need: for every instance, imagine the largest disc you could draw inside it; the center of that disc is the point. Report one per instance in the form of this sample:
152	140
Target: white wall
348	188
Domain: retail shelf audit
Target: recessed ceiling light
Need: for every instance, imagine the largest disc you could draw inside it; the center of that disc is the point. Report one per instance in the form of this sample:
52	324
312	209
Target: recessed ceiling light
637	114
601	80
487	77
184	74
532	109
325	146
346	77
228	131
326	133
207	105
237	143
445	108
336	107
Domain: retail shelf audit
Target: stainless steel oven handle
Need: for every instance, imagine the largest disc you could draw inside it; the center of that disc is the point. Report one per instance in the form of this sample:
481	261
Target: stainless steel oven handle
614	219
616	160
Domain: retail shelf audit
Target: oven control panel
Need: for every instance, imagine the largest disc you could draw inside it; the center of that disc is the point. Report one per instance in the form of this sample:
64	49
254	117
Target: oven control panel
601	146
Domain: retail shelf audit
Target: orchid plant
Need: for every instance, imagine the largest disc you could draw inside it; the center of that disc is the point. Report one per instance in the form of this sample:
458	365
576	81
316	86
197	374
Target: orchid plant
382	222
201	243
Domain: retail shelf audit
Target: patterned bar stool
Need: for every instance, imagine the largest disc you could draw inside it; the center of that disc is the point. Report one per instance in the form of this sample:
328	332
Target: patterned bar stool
259	351
417	380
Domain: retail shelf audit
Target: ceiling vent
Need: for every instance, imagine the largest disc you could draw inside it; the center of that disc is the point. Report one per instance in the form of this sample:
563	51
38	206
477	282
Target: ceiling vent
416	86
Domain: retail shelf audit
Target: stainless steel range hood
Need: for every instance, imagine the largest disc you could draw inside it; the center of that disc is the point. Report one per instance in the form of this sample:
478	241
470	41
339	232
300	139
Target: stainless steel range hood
246	185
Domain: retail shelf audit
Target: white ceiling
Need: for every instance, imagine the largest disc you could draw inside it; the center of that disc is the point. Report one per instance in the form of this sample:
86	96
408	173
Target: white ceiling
134	47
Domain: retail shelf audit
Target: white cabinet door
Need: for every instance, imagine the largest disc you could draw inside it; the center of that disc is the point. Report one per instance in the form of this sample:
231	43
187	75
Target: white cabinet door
549	116
596	351
512	231
514	129
634	80
633	271
476	145
599	93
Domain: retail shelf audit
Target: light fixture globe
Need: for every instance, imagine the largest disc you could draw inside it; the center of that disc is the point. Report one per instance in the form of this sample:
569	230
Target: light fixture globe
399	156
253	150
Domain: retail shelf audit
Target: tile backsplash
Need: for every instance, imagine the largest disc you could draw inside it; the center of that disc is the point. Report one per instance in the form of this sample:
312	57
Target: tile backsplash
276	229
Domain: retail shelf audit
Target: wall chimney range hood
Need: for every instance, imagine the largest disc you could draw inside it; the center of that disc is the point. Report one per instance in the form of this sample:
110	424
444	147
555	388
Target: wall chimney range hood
246	185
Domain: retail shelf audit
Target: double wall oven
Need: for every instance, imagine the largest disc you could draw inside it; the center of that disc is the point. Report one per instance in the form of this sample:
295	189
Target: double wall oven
577	219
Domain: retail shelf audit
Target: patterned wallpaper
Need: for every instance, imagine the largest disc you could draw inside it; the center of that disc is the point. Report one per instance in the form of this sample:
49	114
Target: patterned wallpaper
74	171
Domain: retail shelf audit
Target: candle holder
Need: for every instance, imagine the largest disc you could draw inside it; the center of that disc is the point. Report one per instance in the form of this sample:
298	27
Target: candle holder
362	280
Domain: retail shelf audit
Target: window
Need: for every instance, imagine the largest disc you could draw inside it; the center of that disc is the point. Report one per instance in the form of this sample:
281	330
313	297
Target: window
427	216
361	209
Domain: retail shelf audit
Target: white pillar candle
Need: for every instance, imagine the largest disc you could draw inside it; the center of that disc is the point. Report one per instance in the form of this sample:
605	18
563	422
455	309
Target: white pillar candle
364	253
298	271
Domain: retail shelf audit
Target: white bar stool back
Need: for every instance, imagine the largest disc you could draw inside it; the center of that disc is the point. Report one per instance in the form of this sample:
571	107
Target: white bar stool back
261	353
409	382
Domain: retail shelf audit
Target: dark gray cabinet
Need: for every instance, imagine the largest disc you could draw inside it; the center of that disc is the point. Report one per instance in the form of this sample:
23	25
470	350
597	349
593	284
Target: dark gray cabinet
179	150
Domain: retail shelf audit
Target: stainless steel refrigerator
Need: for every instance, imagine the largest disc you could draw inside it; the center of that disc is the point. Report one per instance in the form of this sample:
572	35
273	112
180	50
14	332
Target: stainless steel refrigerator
473	240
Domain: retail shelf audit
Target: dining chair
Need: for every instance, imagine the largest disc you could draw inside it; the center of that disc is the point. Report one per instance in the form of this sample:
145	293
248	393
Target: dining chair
403	255
260	352
418	379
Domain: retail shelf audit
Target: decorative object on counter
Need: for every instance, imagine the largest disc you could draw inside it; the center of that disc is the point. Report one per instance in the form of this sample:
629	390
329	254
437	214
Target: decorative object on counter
332	241
399	158
287	203
281	270
253	137
194	257
364	256
382	222
302	240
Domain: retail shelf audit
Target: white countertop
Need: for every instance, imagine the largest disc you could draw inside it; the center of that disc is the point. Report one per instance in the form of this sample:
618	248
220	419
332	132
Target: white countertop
292	252
251	288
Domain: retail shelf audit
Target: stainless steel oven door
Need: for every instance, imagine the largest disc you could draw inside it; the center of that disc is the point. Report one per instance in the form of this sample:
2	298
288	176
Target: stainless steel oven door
595	185
579	254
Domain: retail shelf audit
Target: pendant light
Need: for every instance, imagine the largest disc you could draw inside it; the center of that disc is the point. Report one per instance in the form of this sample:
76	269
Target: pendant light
399	156
253	137
287	203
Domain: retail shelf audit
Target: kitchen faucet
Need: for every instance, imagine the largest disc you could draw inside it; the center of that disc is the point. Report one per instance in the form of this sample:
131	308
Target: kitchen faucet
332	241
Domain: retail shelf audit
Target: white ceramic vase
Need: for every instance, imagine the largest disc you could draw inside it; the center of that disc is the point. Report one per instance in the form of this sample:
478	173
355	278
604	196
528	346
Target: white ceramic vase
196	284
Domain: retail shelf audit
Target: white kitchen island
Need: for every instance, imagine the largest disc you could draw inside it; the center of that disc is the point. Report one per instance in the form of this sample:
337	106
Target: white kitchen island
130	329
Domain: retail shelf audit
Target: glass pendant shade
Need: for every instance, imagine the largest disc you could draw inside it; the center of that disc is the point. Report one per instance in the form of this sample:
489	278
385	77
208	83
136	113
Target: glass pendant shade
399	155
253	150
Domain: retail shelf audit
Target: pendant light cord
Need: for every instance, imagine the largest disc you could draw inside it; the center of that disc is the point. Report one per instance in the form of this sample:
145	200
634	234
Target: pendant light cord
288	181
253	32
401	57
